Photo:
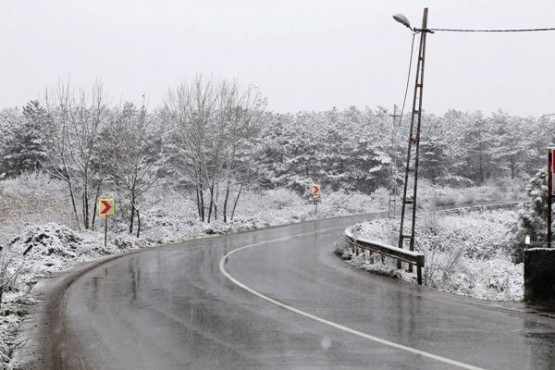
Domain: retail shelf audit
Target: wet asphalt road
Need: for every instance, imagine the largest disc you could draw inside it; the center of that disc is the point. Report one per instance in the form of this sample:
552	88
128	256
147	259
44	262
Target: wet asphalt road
172	308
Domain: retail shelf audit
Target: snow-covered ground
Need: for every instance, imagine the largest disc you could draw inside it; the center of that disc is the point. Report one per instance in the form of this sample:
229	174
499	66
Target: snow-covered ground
467	254
39	236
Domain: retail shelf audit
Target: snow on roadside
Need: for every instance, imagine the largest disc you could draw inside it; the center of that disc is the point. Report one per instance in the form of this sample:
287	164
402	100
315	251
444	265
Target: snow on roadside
172	218
466	254
39	250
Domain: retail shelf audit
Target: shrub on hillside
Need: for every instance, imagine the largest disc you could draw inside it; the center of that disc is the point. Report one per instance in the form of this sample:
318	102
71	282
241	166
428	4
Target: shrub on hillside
532	218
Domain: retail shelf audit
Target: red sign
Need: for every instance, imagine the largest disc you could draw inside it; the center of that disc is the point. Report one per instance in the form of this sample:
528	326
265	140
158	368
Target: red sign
552	160
316	190
106	207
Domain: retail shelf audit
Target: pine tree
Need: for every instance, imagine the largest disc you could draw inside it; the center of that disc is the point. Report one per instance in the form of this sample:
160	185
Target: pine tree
532	219
434	162
26	151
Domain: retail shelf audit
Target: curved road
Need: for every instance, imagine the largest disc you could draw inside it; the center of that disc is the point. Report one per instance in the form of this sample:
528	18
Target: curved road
282	301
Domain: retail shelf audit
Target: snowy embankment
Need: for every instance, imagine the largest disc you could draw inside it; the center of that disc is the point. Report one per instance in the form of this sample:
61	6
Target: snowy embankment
33	249
467	254
39	236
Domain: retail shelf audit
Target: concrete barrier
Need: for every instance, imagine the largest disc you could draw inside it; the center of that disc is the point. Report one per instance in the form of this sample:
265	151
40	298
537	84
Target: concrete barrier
539	274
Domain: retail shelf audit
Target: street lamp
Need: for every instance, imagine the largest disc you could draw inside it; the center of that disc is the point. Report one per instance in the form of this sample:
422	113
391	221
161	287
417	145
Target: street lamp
414	138
411	170
403	20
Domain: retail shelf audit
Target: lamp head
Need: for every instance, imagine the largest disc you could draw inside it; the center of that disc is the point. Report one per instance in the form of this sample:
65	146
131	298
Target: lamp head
403	20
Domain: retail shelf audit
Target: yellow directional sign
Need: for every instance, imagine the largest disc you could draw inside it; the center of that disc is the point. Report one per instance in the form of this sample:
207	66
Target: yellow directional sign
106	207
315	190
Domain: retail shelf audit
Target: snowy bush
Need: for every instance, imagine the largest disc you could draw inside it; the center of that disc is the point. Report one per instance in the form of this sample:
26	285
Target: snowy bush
432	196
278	199
32	198
532	218
125	241
340	202
44	248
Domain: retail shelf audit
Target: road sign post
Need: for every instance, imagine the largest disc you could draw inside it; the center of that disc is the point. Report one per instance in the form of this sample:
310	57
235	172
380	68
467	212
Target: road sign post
106	207
314	197
550	172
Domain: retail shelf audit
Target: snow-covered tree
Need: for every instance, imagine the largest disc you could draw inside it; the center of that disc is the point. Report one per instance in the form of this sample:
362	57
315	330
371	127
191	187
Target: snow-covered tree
73	133
10	120
338	149
213	123
434	161
26	149
508	147
135	160
532	219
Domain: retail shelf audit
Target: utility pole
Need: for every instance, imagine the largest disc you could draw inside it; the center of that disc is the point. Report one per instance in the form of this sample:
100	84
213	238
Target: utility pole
549	192
408	217
393	166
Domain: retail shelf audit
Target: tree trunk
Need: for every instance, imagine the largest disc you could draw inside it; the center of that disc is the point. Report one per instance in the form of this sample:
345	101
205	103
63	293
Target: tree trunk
200	194
481	166
73	204
226	199
216	200
95	205
197	191
86	201
211	190
132	218
236	201
138	223
201	205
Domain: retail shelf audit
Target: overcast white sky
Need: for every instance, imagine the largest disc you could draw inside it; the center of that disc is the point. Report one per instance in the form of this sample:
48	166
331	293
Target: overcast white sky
303	55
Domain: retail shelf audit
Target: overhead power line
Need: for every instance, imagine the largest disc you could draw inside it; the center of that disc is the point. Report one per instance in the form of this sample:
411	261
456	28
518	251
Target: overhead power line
408	78
493	30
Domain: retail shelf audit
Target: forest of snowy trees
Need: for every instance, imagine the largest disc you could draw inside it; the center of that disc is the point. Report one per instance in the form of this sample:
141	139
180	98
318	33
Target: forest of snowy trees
214	138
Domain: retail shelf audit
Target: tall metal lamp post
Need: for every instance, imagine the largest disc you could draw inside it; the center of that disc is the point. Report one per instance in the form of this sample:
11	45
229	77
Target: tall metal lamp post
411	173
408	216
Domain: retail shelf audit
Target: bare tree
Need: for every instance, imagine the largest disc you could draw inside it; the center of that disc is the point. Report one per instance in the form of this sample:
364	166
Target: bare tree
213	124
74	126
190	106
245	117
135	163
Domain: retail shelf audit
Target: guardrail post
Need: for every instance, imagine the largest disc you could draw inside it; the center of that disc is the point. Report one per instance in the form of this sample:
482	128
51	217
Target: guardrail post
419	274
419	264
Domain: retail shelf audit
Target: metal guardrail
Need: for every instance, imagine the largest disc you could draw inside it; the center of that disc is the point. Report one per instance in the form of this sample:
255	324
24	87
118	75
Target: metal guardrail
483	207
405	255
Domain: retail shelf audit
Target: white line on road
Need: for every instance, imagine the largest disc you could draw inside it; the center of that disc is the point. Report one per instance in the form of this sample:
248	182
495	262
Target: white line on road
327	322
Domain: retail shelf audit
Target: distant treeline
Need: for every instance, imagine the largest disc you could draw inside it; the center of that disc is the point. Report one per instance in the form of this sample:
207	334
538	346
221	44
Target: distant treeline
213	138
352	149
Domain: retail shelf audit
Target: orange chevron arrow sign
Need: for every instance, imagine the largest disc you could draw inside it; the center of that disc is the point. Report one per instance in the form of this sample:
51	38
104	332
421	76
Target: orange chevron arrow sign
316	190
106	207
